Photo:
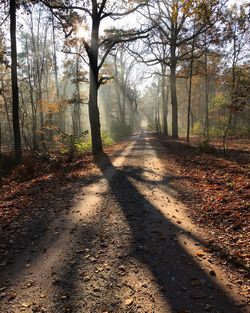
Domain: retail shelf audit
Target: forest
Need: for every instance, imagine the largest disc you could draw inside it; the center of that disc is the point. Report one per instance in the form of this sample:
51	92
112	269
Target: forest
124	156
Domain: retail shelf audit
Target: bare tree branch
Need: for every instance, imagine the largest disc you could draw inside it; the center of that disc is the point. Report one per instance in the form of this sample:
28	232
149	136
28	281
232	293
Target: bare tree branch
63	7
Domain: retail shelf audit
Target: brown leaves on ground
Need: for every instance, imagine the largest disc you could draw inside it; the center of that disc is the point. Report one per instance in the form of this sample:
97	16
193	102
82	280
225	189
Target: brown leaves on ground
39	188
217	191
40	176
34	182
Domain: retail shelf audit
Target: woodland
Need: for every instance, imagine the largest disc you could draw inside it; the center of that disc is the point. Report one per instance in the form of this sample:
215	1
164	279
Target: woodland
124	145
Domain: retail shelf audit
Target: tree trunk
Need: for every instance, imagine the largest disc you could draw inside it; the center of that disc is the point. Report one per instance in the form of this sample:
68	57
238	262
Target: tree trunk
156	116
164	100
119	88
1	165
5	101
42	127
94	117
77	104
192	119
60	121
108	110
55	57
226	132
15	99
189	99
233	88
206	93
174	100
31	91
190	89
33	106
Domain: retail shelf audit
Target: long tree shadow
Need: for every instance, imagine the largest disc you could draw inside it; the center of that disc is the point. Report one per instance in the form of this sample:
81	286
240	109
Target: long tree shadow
136	173
185	286
48	200
191	157
174	269
92	282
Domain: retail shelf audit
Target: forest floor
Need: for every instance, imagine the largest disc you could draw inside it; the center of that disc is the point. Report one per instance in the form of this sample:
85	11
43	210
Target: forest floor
153	226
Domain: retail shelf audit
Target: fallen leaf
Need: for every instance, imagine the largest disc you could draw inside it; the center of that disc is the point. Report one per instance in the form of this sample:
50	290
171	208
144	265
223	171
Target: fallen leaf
200	253
26	305
129	301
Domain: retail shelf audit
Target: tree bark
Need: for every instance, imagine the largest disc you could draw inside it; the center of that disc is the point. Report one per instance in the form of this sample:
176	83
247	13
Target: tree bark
190	96
77	104
55	57
94	115
1	165
206	92
174	100
33	106
60	122
15	98
120	89
189	113
164	100
5	101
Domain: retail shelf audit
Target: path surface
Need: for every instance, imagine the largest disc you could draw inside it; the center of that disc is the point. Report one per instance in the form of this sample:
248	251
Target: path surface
127	245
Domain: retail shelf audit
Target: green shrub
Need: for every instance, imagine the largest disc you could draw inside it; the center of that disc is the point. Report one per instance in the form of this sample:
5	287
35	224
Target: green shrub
106	139
75	144
197	128
218	103
82	144
215	132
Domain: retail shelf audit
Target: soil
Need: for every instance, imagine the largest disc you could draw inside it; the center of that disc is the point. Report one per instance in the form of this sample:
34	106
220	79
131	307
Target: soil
117	236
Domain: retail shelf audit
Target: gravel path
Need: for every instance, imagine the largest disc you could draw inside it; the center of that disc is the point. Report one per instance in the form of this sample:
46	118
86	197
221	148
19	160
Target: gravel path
127	245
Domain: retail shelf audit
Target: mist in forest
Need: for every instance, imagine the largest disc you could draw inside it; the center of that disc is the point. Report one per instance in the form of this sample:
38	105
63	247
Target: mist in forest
190	80
124	156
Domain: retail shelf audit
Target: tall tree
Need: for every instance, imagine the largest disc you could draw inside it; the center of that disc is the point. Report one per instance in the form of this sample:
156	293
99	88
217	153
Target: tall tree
174	20
14	80
190	86
237	26
97	47
123	65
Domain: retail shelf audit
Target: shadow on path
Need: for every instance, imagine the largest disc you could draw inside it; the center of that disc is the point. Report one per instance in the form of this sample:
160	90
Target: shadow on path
185	286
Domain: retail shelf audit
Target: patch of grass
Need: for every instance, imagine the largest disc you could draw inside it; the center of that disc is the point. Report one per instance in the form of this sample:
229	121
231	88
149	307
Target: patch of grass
81	145
106	139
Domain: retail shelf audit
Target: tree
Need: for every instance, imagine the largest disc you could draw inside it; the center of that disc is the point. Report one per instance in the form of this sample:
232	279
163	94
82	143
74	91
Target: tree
123	65
237	26
36	67
174	20
15	95
190	89
98	47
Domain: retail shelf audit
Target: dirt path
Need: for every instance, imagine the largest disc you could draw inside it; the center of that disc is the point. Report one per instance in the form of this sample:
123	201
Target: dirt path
127	245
